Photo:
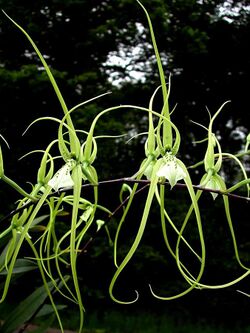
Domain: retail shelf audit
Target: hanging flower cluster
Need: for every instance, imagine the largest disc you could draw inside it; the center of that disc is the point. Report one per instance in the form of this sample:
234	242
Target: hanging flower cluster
40	209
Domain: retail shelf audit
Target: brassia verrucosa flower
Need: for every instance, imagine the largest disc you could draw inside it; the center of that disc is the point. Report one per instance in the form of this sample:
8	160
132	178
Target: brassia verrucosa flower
68	163
171	170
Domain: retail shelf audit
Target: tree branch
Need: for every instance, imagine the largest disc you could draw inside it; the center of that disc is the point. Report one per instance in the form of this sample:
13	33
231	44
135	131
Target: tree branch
125	180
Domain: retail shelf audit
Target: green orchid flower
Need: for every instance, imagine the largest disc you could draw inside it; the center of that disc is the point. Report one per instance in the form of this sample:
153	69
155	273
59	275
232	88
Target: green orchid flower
171	170
63	178
214	184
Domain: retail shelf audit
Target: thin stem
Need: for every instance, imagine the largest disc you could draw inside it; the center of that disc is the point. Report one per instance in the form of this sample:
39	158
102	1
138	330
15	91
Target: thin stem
125	180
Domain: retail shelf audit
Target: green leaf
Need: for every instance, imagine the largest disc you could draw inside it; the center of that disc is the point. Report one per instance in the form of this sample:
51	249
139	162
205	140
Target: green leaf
39	220
48	309
24	311
21	266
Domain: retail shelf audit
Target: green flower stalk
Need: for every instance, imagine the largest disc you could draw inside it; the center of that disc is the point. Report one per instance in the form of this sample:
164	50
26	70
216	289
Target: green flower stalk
167	129
1	158
247	142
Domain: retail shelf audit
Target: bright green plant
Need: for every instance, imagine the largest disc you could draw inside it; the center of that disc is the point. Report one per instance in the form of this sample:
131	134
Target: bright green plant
77	149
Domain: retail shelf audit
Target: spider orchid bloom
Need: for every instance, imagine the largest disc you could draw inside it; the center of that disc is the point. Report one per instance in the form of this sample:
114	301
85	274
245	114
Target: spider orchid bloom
62	178
171	170
214	184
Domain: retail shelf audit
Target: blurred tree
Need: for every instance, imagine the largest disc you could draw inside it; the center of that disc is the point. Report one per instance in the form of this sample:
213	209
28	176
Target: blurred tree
91	45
